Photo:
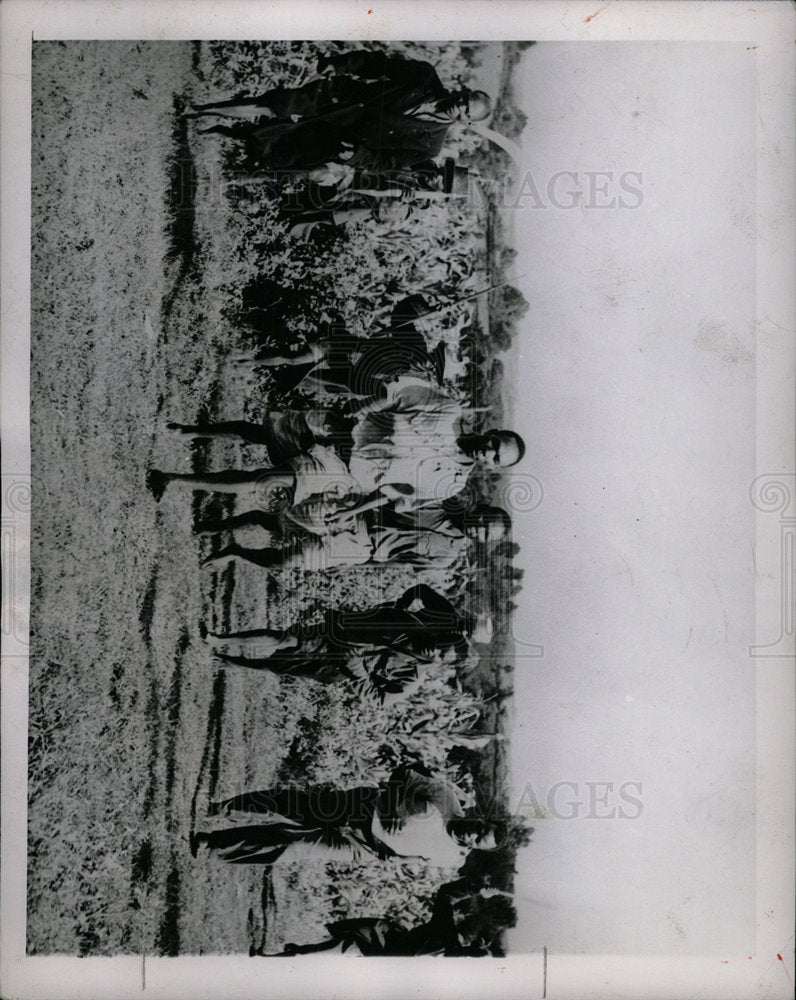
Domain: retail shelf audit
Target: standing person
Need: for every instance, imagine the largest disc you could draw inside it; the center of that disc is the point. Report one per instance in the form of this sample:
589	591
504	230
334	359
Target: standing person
450	930
409	445
412	816
340	362
419	461
413	439
400	84
361	539
378	111
419	623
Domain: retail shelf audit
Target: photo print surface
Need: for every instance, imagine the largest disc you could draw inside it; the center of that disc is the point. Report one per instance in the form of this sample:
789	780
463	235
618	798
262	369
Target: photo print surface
393	416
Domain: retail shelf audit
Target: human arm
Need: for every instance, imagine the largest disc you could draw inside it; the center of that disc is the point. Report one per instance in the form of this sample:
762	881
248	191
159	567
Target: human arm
369	404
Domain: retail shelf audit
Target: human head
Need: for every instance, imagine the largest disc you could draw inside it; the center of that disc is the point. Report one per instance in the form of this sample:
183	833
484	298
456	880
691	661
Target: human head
455	646
476	833
480	917
497	449
467	105
487	524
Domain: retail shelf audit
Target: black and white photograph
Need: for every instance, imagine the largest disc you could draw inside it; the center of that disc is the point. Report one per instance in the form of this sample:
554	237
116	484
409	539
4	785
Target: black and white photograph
293	573
396	513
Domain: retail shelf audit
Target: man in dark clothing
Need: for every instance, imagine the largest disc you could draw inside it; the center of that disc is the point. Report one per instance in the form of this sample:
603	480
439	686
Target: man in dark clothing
447	932
412	815
420	621
375	111
340	362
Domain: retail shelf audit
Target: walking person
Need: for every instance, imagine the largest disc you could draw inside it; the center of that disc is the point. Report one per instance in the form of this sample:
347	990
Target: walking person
415	626
342	540
412	816
409	445
377	111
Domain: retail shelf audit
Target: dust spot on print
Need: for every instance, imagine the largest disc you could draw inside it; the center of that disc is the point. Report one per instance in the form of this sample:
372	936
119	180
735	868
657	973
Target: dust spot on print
717	339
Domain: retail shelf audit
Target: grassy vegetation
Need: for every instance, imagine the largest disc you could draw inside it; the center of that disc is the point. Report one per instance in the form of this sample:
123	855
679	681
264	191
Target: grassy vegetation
143	241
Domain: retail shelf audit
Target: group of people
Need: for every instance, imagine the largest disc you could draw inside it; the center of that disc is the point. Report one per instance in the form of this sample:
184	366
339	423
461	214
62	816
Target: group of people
367	110
388	501
372	478
366	132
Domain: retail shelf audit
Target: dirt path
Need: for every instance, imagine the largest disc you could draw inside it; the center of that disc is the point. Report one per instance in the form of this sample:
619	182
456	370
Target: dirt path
120	684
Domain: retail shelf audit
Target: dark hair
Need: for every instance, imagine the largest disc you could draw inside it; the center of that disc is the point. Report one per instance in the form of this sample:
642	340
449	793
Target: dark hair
479	920
478	103
513	436
465	826
476	97
457	641
485	514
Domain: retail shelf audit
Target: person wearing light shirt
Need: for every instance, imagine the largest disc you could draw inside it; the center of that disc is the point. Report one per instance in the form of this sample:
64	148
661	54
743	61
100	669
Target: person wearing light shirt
408	445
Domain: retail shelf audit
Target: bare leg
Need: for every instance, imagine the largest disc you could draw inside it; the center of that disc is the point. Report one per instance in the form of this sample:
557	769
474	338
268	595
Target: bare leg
253	649
305	949
309	356
267	557
230	130
251	633
266	663
238	107
237	112
229	481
